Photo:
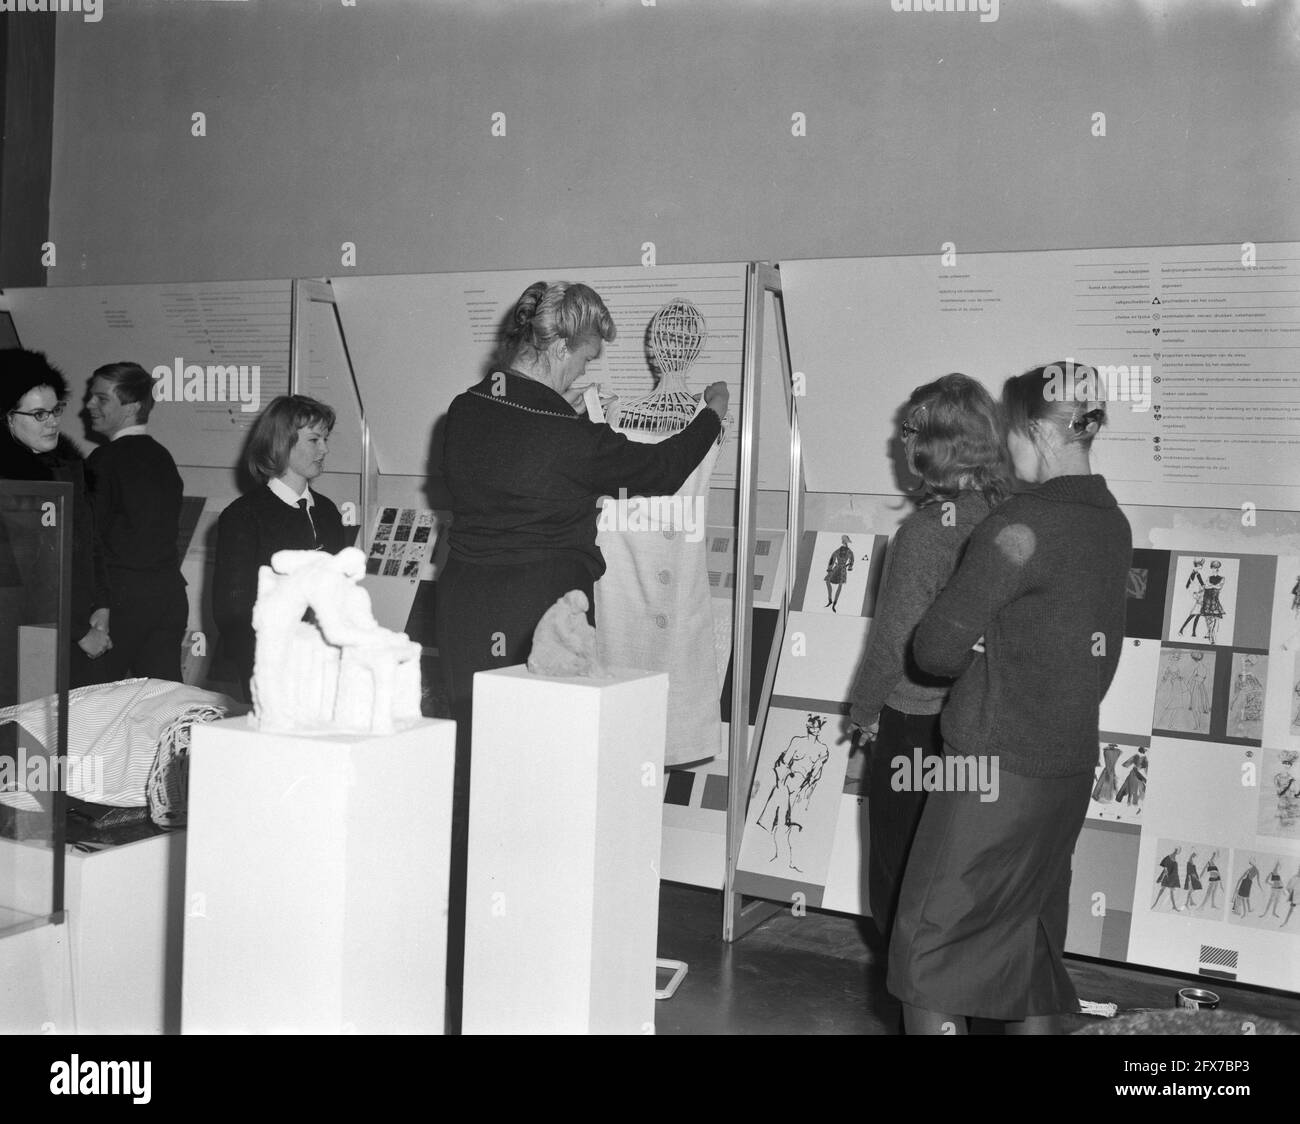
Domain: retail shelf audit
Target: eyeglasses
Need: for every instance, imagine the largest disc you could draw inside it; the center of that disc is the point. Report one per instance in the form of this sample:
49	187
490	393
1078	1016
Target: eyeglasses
42	416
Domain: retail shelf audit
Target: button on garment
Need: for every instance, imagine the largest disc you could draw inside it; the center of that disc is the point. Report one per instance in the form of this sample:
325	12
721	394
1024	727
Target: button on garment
652	605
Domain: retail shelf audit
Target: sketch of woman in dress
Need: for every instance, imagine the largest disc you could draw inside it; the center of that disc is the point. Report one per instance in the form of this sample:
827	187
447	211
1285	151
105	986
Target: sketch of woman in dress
1198	695
1213	883
1212	601
1295	597
1167	879
1246	707
1244	888
1274	890
1295	718
1107	782
1287	787
1292	889
1172	695
837	572
795	775
1194	578
1191	881
1134	788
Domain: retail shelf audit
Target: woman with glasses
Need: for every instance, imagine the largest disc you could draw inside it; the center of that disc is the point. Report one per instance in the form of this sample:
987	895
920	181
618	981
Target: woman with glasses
953	441
32	393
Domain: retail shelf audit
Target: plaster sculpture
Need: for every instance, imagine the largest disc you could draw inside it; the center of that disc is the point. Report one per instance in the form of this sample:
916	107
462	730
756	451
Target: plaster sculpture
564	643
338	671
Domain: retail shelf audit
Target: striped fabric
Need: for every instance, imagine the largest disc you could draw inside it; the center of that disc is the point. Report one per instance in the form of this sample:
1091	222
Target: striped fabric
1220	963
114	733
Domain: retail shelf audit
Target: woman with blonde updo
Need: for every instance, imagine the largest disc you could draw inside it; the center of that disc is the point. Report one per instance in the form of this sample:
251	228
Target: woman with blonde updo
525	471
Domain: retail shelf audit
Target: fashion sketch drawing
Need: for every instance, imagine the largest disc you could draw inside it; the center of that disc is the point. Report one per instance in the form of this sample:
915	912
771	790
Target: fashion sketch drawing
795	775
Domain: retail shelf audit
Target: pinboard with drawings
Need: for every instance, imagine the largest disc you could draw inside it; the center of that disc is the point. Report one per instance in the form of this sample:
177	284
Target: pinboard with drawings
1200	735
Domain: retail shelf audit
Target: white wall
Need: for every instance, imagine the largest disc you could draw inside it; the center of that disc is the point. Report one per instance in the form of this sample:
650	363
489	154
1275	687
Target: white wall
670	124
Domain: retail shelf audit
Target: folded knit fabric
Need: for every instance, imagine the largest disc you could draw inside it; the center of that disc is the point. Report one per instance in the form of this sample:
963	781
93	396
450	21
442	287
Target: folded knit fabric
115	732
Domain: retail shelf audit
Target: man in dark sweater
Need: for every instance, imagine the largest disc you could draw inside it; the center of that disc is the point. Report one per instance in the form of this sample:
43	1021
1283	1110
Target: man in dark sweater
135	492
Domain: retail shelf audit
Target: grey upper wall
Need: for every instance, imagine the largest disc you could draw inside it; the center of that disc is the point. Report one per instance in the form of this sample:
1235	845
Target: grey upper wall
671	124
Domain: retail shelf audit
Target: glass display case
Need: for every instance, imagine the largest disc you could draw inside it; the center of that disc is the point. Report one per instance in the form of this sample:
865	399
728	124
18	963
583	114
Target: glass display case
35	635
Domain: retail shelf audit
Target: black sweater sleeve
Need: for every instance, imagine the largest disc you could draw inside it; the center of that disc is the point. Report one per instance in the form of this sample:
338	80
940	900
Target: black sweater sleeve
234	580
89	580
650	470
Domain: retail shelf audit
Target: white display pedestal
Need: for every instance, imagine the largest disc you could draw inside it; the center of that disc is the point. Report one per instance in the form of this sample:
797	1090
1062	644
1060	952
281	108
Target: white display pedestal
316	880
36	981
562	900
123	934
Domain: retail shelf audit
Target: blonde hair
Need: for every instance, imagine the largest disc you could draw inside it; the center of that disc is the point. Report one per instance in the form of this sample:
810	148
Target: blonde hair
959	442
550	311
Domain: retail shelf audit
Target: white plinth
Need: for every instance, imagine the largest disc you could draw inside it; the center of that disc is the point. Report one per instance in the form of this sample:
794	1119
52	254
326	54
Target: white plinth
562	903
316	880
124	917
36	981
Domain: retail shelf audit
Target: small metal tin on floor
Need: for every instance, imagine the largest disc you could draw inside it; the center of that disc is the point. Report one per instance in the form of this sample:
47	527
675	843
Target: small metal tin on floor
1197	999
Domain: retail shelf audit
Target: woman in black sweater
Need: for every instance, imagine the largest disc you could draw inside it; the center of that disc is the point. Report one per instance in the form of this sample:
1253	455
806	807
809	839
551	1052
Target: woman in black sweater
1040	597
32	397
525	472
286	451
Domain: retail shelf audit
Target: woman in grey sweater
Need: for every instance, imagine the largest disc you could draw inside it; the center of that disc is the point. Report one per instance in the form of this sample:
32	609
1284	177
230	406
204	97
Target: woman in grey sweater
982	915
953	439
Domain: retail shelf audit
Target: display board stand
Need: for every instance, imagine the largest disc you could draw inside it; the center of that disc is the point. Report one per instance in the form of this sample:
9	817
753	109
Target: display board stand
316	370
740	914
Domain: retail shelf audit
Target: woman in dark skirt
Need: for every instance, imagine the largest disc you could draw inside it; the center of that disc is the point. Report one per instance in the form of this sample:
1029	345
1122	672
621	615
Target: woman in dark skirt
1032	622
525	472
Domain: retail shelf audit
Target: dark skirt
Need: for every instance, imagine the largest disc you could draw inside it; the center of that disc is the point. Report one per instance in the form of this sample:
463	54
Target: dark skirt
984	907
892	817
484	618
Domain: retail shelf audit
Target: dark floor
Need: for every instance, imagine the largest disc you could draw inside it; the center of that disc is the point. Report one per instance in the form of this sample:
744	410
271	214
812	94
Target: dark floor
823	974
